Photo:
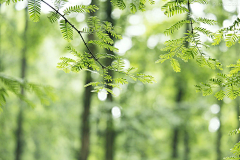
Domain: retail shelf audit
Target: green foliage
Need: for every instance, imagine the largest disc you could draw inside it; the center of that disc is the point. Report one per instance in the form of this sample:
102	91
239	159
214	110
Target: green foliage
9	1
236	149
53	17
229	34
174	7
134	5
189	46
176	26
13	85
67	30
86	62
59	3
34	9
80	9
119	3
228	84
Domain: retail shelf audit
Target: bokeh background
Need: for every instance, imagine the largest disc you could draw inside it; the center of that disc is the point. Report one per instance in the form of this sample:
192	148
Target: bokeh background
166	120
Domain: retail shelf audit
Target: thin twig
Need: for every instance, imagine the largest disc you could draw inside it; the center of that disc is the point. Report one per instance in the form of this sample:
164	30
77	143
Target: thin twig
190	12
78	31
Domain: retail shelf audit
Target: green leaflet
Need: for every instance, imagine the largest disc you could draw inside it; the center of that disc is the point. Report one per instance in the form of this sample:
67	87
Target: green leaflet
9	84
176	26
102	44
34	9
228	34
119	3
67	30
133	8
206	21
59	3
53	17
9	1
80	9
175	65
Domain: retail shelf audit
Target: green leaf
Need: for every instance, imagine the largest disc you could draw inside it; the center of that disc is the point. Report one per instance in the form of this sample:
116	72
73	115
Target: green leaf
175	65
133	8
80	9
67	30
34	9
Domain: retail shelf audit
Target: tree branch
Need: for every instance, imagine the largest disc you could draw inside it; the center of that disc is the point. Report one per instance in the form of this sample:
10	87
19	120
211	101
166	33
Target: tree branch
78	31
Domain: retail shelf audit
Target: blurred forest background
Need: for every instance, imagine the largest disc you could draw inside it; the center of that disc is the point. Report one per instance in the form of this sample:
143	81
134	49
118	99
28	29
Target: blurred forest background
166	120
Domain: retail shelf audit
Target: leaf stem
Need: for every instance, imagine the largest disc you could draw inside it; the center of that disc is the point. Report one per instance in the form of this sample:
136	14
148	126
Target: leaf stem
78	31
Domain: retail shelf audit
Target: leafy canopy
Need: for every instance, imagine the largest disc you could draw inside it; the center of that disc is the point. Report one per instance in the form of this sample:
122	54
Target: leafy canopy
104	32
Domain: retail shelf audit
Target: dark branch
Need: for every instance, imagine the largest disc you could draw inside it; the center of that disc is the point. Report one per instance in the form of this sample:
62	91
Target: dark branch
78	31
190	12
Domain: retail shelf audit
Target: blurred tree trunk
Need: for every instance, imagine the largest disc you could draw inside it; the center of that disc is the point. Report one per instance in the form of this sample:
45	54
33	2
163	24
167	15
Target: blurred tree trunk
186	134
186	144
110	131
85	129
85	126
238	114
219	133
20	118
175	143
238	98
1	67
175	136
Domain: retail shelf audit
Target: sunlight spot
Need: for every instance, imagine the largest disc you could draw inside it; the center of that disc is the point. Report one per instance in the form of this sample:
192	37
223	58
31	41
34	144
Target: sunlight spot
135	19
155	16
102	95
230	5
45	8
214	124
215	108
21	5
227	100
80	17
116	13
116	112
126	64
197	9
136	30
123	45
152	41
86	2
163	38
116	91
227	23
223	47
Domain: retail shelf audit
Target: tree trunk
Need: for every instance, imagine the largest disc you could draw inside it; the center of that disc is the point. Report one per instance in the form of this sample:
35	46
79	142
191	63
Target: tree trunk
1	67
175	136
186	134
110	131
186	144
19	131
175	143
219	134
85	126
85	129
238	115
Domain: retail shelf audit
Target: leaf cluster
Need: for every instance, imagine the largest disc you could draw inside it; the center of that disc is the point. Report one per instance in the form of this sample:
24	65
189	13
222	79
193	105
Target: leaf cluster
190	46
13	85
228	84
134	5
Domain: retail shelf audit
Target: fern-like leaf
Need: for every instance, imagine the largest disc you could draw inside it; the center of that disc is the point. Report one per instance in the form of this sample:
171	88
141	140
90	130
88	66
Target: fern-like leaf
67	30
80	9
53	17
34	9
